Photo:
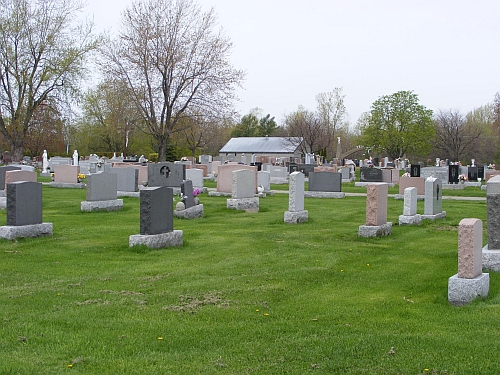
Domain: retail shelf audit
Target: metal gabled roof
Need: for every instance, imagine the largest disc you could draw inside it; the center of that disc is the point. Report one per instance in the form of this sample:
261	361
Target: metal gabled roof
271	145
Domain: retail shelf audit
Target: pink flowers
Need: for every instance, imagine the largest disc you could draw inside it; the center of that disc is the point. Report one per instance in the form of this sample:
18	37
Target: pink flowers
196	192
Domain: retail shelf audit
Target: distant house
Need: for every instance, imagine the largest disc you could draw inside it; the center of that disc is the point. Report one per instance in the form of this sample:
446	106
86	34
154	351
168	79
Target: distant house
261	149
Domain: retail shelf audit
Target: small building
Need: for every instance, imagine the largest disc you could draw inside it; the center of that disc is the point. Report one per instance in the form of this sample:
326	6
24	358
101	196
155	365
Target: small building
274	150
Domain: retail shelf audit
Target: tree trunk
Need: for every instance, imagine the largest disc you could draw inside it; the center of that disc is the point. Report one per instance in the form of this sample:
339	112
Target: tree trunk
162	149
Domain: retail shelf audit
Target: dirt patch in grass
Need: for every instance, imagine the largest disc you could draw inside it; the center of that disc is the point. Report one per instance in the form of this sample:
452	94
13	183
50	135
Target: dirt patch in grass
192	304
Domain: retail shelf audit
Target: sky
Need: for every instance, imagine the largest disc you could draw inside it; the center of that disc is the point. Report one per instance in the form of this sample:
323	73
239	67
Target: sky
445	51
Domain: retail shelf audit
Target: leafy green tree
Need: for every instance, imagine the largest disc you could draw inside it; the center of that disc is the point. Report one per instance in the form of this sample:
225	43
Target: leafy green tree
267	126
247	127
42	57
398	125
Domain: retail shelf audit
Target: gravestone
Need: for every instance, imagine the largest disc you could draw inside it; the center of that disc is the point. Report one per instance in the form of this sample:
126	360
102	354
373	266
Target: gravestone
196	176
417	182
16	176
472	173
453	173
433	201
491	252
370	174
101	193
376	212
189	208
410	216
296	213
243	191
24	211
480	171
264	180
166	174
306	168
127	180
225	178
469	283
156	219
3	171
436	172
325	181
187	193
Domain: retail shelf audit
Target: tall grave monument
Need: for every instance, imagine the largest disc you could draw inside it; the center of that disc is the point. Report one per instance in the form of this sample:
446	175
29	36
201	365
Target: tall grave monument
491	252
296	213
376	212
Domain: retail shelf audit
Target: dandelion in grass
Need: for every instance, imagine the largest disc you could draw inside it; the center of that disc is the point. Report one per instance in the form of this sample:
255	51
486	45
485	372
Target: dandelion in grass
160	338
70	365
266	314
257	310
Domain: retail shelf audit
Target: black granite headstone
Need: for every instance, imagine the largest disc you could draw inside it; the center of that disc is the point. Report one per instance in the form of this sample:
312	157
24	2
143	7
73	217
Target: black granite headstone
292	167
325	181
415	170
156	210
187	193
370	175
306	168
24	203
472	173
480	171
453	173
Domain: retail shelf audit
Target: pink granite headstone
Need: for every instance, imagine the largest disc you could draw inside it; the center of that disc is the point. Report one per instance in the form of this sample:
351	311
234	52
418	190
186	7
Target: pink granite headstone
376	204
406	182
470	243
225	176
16	176
66	173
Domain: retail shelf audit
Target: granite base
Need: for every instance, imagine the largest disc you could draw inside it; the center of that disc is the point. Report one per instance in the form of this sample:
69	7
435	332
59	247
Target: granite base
410	219
110	205
323	194
68	185
491	259
462	291
441	215
11	232
243	204
190	213
157	241
375	230
296	217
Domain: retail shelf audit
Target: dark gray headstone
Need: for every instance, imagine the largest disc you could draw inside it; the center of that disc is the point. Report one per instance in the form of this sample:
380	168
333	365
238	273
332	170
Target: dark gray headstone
325	181
2	174
480	171
126	179
166	174
370	175
101	187
415	170
292	167
472	173
187	193
453	173
156	210
24	203
306	168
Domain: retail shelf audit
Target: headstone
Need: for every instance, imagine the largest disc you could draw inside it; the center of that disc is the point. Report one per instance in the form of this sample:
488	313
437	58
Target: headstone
196	176
7	157
66	173
472	173
410	216
417	182
205	159
325	181
166	174
453	173
306	168
243	191
433	203
225	177
187	193
480	171
264	180
3	170
126	179
296	213
57	160
17	176
376	212
101	186
491	252
370	175
469	283
156	206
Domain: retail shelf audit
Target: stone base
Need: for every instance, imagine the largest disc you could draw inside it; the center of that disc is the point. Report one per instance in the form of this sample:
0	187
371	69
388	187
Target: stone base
68	185
11	232
375	230
441	215
2	193
44	174
410	219
491	259
400	197
296	217
244	204
219	194
453	186
462	291
132	194
157	241
278	180
323	194
111	205
483	187
364	183
3	203
190	213
473	183
348	180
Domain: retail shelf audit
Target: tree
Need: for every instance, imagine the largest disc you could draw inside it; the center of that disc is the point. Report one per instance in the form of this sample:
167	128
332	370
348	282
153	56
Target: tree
398	125
173	60
42	59
46	132
306	125
267	126
332	112
247	127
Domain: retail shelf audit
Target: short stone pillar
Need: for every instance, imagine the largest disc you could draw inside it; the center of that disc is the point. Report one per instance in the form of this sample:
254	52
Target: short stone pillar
156	219
491	252
102	193
190	207
410	216
469	283
376	212
296	213
243	191
433	202
24	212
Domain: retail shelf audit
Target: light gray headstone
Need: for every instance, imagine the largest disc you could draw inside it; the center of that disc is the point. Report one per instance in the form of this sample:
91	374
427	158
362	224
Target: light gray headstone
156	210
243	185
296	192
24	203
196	176
493	212
127	179
264	179
101	186
410	201
433	203
166	174
187	193
325	181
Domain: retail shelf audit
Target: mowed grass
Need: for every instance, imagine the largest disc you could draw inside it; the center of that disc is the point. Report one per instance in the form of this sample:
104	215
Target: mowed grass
245	294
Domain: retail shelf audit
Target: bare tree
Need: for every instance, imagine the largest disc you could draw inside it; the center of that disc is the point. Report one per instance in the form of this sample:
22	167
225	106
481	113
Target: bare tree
42	56
306	125
332	113
173	59
453	134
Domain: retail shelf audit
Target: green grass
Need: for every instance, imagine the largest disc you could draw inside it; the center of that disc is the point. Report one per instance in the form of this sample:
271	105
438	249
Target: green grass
246	294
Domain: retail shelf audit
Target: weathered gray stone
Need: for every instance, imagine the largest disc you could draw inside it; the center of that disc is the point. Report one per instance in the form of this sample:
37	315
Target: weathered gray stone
325	182
166	174
157	241
25	231
156	210
375	230
101	186
196	176
107	205
433	203
24	203
462	291
3	170
193	212
410	220
323	194
296	192
410	201
491	259
187	193
243	184
244	204
440	215
127	179
264	180
296	217
67	185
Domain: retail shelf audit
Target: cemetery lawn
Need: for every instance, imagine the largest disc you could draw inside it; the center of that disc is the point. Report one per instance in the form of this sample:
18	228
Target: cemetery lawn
245	294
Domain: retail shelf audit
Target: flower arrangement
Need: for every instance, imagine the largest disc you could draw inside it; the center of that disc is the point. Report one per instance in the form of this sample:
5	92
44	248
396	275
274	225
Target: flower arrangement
406	174
196	192
462	178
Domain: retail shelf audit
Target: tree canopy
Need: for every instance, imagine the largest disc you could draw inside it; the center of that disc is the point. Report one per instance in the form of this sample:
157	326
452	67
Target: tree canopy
398	125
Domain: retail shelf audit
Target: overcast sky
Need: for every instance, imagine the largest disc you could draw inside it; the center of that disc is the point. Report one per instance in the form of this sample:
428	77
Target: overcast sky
446	51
